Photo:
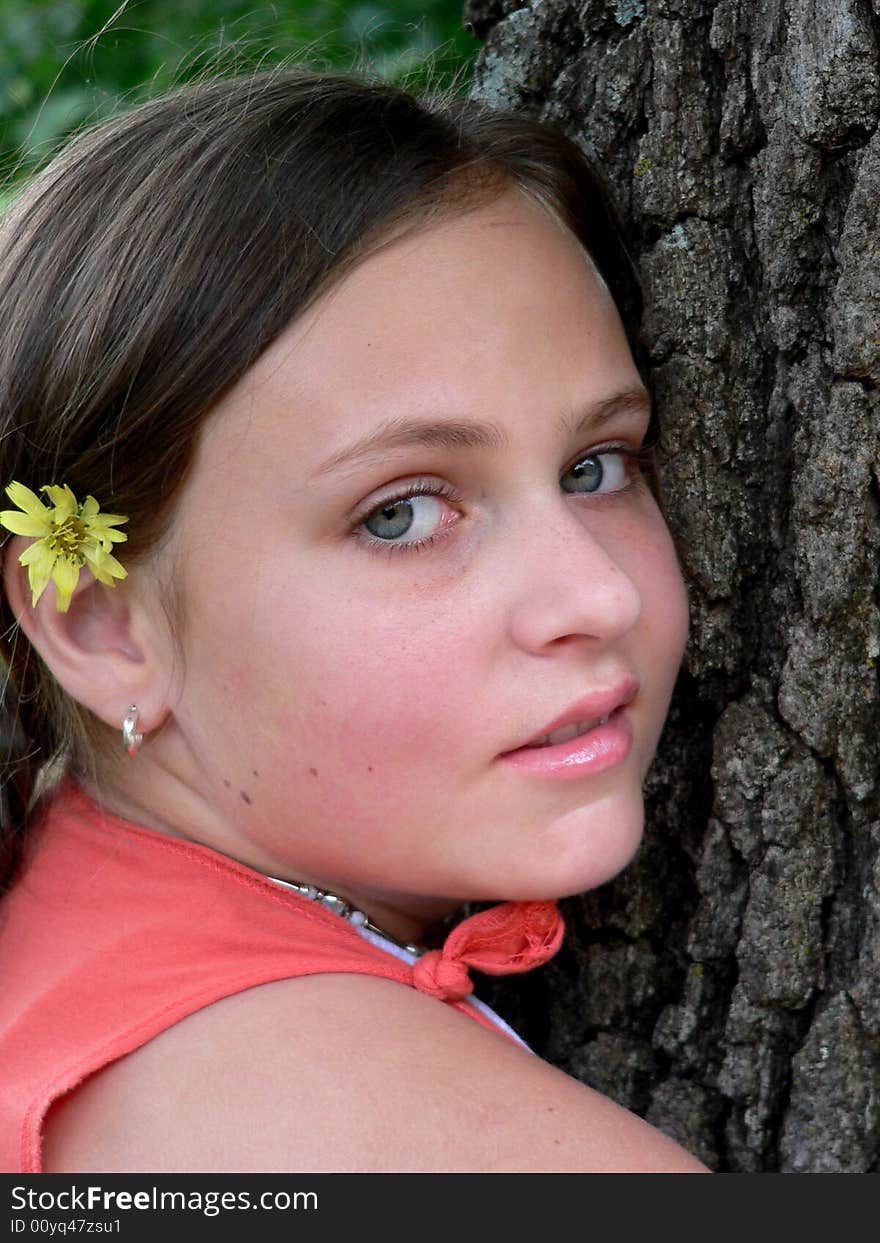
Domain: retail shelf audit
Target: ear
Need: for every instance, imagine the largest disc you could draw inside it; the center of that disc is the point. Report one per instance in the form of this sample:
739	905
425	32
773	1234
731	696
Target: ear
107	651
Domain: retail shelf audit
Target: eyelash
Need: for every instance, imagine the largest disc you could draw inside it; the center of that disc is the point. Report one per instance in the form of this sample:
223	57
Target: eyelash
639	463
420	488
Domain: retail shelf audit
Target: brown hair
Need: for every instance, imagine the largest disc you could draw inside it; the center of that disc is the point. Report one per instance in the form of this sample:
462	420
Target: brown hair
149	265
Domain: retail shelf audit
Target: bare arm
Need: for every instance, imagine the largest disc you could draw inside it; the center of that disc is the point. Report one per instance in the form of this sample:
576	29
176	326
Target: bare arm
348	1074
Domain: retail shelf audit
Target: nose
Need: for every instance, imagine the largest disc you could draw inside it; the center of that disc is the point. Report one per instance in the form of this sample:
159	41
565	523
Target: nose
571	585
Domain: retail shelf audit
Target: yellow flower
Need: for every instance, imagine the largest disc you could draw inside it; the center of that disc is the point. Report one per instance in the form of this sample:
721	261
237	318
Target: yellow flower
67	537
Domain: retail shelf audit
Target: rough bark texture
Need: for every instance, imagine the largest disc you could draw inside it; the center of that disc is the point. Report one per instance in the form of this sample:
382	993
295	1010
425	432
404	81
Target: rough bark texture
727	986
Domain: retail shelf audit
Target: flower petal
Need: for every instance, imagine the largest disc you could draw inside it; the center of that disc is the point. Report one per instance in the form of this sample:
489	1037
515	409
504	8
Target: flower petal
24	524
104	566
27	500
89	508
37	552
63	500
65	576
107	535
40	566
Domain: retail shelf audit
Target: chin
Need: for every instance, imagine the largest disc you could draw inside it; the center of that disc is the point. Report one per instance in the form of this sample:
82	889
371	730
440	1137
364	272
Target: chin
585	848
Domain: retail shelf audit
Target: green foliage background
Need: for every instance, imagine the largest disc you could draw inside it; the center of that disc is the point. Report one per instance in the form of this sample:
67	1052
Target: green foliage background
64	63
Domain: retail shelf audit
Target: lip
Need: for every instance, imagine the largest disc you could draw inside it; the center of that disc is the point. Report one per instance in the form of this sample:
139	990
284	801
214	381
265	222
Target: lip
600	748
597	704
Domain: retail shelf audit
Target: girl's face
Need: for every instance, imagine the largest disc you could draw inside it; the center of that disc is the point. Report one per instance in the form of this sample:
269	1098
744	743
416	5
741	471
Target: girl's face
413	538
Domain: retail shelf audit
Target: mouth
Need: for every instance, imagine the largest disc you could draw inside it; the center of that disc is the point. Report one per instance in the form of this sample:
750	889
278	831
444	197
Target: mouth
582	749
588	713
571	731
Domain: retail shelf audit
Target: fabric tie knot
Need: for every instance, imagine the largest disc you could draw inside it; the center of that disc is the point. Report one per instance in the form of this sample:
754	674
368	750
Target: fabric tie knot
512	937
444	978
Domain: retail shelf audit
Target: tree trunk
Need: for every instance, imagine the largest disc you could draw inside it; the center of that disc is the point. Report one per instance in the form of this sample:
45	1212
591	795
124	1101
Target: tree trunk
727	986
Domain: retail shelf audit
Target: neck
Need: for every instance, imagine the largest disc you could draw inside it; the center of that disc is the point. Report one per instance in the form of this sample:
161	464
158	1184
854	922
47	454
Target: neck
408	920
337	905
417	925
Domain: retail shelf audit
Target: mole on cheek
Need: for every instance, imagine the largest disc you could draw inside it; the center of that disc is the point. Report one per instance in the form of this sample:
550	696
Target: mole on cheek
369	768
246	797
313	771
254	771
227	783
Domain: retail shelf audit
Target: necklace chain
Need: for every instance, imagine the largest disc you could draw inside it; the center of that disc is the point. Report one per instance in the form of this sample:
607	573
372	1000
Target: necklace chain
338	906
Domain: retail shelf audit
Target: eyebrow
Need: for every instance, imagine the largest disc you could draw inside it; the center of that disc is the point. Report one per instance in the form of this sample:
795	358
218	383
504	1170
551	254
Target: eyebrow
473	434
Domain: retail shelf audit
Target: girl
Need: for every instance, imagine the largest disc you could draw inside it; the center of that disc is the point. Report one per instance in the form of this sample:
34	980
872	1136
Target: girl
346	522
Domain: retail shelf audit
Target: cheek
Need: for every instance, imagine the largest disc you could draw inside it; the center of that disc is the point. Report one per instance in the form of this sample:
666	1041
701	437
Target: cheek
664	621
646	554
673	600
369	689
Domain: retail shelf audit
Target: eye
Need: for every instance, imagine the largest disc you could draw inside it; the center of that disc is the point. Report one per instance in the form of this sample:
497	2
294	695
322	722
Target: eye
417	514
411	515
609	471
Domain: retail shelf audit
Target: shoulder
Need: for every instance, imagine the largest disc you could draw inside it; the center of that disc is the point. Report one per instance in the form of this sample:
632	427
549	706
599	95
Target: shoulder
343	1073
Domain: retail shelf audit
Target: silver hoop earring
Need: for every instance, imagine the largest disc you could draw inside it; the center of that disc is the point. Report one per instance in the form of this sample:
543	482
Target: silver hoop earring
131	740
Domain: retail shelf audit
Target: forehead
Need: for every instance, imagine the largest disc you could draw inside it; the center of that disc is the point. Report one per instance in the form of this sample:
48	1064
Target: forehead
462	276
499	307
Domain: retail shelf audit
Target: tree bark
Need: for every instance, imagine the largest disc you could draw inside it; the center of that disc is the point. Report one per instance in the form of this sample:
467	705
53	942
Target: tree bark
727	985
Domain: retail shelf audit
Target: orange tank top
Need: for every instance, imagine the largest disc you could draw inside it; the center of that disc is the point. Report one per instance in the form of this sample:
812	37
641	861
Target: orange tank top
112	933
